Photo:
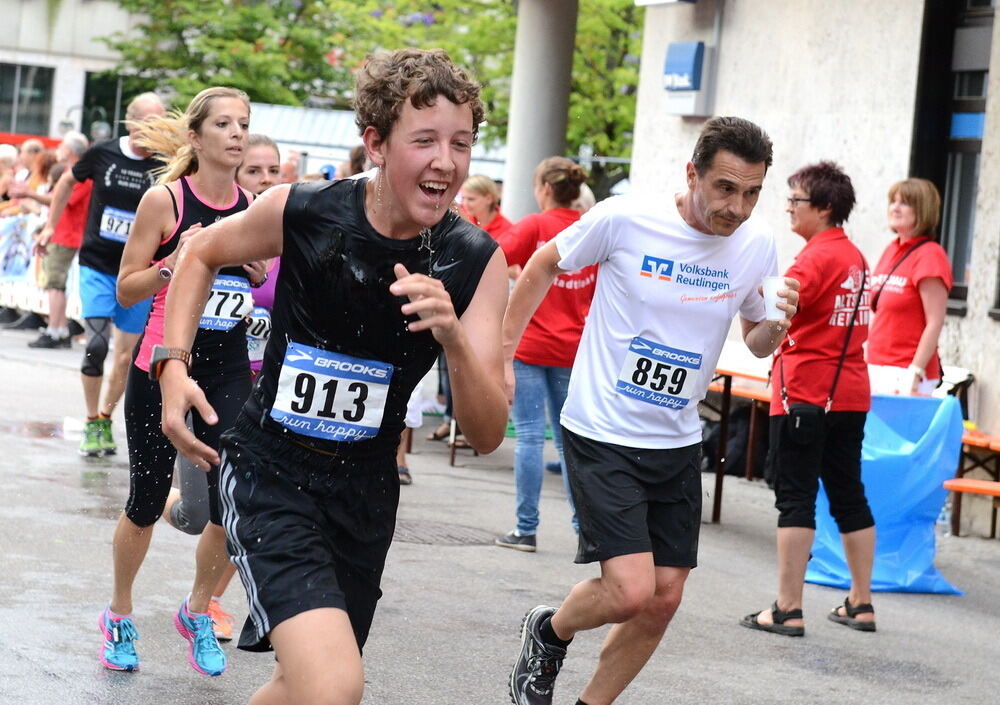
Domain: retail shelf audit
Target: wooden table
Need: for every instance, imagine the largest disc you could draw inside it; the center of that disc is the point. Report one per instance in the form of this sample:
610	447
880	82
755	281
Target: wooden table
736	361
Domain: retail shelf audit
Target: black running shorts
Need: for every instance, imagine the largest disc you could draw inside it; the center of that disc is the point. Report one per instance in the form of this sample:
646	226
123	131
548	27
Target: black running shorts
305	530
635	500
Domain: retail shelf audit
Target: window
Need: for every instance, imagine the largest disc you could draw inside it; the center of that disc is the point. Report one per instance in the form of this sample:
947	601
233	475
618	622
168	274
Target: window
25	98
948	129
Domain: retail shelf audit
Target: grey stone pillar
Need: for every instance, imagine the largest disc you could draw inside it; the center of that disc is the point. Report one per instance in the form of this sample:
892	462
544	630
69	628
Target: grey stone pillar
539	96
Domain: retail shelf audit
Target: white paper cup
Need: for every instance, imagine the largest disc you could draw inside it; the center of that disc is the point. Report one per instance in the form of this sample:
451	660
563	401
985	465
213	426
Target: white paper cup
771	287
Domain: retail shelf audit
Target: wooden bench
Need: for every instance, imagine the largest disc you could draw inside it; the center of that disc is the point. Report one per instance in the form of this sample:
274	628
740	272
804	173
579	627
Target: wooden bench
979	451
960	485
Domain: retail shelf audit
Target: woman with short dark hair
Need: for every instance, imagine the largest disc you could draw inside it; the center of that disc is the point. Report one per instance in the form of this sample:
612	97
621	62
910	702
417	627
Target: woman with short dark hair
819	403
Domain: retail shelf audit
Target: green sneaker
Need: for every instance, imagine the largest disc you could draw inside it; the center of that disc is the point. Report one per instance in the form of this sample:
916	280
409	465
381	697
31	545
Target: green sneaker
108	446
90	445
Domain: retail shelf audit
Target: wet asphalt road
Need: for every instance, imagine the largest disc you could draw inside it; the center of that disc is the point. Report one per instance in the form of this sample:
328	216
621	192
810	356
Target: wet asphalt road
446	629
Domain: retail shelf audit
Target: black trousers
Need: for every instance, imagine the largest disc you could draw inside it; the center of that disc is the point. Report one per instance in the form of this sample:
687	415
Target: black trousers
832	453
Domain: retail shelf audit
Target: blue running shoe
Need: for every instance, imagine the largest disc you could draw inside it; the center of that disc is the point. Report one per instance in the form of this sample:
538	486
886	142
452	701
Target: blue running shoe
205	654
118	652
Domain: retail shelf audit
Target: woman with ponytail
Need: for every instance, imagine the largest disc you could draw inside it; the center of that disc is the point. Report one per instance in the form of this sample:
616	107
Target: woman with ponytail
201	150
546	352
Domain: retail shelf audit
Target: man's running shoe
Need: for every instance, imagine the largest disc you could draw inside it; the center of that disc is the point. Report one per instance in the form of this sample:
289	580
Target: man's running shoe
118	652
205	655
48	342
90	444
108	445
516	541
222	621
534	674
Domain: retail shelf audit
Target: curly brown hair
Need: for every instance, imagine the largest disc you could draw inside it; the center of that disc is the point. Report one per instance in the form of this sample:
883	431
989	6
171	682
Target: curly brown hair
387	80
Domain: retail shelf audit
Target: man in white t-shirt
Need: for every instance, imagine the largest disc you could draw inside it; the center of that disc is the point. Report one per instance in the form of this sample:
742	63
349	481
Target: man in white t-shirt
673	274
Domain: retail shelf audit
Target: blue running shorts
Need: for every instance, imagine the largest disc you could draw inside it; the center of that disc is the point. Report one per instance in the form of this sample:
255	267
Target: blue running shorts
97	296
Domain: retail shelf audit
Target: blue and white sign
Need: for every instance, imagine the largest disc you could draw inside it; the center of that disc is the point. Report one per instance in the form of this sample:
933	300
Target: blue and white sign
328	395
682	69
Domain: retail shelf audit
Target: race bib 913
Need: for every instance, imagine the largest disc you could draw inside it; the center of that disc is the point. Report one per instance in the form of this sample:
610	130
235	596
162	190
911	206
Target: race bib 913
329	395
658	374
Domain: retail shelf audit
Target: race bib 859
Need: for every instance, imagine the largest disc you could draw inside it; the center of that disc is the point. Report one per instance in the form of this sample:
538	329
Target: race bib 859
658	374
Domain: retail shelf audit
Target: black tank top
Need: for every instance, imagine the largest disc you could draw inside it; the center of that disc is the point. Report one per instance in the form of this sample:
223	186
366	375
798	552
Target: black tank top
340	364
220	344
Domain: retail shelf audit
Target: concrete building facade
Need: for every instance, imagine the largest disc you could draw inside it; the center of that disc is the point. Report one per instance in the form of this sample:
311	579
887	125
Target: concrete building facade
45	61
881	88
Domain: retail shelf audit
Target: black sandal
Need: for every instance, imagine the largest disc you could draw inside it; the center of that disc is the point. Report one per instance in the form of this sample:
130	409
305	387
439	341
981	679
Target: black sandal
852	611
778	619
440	433
405	478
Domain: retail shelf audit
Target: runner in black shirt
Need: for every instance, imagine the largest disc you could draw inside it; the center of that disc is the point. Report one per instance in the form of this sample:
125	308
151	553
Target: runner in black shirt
121	171
377	276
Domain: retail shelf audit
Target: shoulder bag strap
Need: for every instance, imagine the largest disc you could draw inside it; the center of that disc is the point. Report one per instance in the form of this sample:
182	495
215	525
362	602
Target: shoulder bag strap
843	352
892	269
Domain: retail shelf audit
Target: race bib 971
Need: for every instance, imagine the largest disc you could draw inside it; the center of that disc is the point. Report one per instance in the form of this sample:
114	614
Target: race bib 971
116	224
228	303
658	374
328	395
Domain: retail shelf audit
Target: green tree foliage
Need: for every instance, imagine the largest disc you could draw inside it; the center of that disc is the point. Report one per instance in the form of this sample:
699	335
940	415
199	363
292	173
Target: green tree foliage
604	84
305	51
273	49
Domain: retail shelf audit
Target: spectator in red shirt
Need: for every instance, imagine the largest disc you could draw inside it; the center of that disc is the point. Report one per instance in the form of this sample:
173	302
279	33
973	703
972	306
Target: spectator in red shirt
909	294
59	251
819	404
544	357
481	205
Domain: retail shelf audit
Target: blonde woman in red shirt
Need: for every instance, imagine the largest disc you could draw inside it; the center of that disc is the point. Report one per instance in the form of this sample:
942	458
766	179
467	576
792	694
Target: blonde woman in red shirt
909	294
481	205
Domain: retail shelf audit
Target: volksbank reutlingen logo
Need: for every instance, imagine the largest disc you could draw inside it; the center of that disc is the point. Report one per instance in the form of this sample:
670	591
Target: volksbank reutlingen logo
661	269
696	275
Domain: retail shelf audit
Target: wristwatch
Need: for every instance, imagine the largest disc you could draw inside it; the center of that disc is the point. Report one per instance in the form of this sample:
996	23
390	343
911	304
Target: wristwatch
164	269
161	353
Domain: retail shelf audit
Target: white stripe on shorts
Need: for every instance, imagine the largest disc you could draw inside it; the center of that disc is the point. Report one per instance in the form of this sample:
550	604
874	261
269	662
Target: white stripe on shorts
230	520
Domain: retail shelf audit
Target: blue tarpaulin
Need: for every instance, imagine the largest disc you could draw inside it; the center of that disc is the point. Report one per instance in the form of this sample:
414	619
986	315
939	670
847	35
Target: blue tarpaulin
911	446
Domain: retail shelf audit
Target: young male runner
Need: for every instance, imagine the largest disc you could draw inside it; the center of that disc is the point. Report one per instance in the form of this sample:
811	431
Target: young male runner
673	274
121	174
377	277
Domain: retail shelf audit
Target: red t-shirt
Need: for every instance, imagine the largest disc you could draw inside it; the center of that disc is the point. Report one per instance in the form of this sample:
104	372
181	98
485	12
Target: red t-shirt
553	333
829	269
69	229
900	320
498	227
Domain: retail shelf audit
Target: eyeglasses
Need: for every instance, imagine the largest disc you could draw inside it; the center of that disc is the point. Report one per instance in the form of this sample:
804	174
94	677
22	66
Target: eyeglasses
792	202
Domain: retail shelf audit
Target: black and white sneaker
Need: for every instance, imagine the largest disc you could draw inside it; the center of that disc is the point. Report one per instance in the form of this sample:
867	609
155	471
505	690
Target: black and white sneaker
534	674
516	541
